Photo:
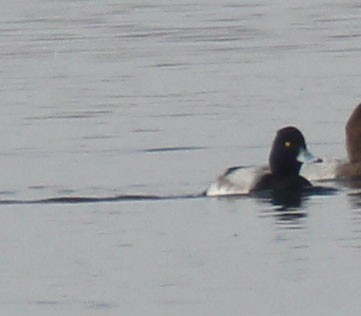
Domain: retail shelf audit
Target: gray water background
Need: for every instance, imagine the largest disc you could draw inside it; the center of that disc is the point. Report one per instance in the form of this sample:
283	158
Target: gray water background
100	98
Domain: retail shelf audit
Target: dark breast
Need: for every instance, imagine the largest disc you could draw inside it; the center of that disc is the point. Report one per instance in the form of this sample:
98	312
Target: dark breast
271	182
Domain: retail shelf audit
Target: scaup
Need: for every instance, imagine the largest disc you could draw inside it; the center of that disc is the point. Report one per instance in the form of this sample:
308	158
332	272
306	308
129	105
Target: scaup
288	152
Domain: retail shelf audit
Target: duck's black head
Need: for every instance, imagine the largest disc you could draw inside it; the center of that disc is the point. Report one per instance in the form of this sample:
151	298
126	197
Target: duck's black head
288	152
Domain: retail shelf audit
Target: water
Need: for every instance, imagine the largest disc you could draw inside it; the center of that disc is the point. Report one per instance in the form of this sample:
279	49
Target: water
100	99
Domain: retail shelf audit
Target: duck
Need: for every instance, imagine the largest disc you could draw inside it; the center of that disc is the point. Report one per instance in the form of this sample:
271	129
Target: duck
351	169
288	153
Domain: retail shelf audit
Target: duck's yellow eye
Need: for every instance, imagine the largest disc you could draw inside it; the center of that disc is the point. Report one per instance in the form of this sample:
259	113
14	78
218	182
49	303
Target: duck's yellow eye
288	144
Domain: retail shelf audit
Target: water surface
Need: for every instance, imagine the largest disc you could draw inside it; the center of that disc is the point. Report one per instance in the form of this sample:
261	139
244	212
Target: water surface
101	99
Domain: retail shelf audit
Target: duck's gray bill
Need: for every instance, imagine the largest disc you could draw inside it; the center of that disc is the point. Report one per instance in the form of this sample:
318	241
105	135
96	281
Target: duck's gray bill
306	157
